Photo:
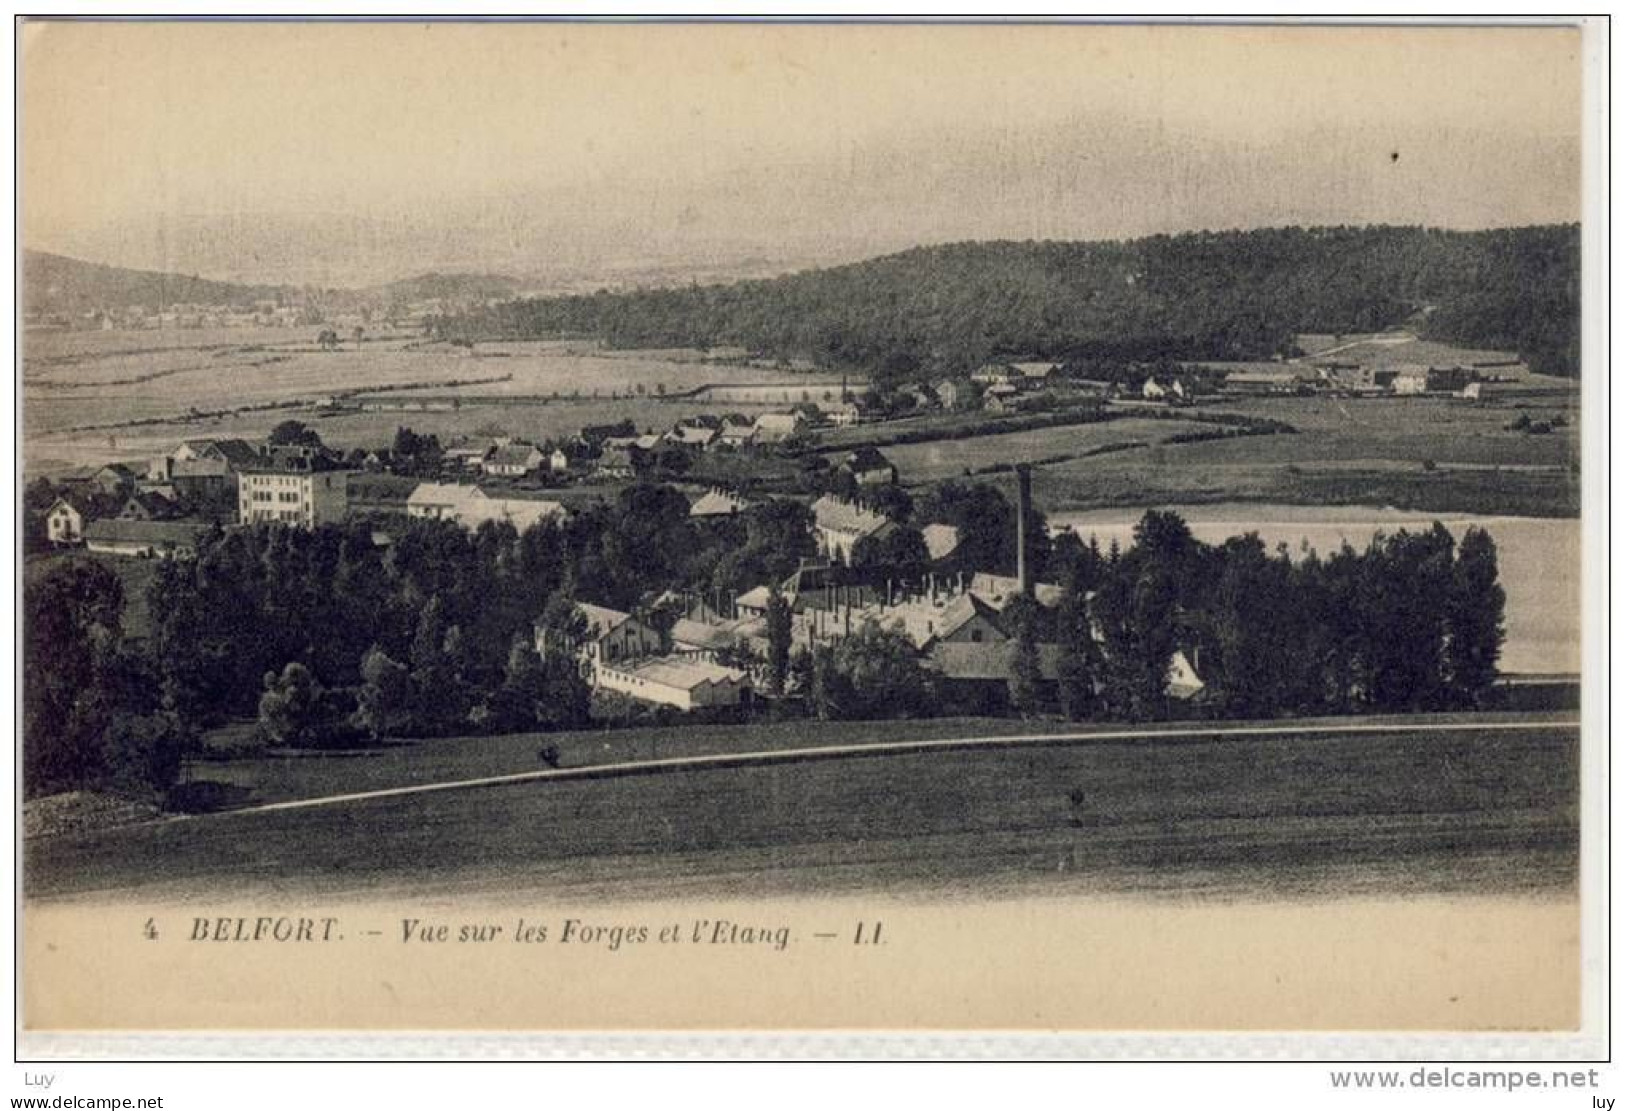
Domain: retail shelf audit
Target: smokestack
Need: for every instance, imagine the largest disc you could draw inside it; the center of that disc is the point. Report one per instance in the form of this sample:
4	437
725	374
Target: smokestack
1024	501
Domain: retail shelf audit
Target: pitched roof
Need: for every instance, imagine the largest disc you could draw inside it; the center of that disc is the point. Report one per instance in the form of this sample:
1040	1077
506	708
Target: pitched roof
470	506
440	493
73	501
834	515
941	541
683	674
289	459
113	530
700	635
514	455
601	619
692	434
997	590
235	452
718	503
755	598
866	458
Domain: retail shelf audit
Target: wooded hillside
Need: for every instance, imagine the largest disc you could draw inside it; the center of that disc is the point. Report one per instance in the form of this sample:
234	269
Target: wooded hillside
1207	295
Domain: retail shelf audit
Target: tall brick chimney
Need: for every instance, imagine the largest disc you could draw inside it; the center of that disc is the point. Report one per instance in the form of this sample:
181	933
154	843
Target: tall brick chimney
1024	501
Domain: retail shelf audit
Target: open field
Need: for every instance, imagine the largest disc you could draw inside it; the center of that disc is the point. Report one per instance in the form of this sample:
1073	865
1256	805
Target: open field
936	460
1411	453
1410	811
95	397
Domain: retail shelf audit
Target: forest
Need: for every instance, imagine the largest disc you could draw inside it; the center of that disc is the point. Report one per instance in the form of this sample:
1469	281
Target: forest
1206	295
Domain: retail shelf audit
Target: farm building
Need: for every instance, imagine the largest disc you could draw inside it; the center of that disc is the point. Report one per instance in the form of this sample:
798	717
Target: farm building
753	603
145	539
1357	377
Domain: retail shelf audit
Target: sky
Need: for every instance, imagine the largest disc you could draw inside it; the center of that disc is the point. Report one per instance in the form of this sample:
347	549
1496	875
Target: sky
352	153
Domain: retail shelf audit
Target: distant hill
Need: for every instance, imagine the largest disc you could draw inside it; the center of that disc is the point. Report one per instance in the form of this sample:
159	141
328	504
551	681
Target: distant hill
57	284
1205	295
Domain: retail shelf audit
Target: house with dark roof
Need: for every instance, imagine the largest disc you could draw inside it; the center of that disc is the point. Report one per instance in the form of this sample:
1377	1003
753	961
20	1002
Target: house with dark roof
612	636
115	478
146	505
514	460
868	467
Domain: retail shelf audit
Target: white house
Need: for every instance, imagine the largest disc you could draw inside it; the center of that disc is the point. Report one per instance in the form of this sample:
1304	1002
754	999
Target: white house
64	523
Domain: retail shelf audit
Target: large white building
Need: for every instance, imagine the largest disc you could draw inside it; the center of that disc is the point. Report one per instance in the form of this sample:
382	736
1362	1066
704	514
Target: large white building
687	684
299	487
471	507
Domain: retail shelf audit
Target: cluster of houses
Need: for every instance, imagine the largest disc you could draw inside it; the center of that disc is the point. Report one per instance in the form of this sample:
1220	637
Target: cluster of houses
956	623
609	451
121	509
1339	378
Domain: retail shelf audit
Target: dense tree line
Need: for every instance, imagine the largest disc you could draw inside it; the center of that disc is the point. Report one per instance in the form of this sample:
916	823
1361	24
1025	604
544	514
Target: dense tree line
328	637
1412	622
1206	295
91	714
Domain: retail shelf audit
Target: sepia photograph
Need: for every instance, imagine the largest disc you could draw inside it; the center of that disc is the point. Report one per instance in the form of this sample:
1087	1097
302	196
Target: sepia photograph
628	526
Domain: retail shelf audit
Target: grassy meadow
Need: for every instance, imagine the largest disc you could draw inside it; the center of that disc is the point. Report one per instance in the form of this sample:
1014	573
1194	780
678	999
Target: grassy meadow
1258	816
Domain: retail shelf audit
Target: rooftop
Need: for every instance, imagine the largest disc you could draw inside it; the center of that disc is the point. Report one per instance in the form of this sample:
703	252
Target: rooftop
146	532
835	515
683	674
